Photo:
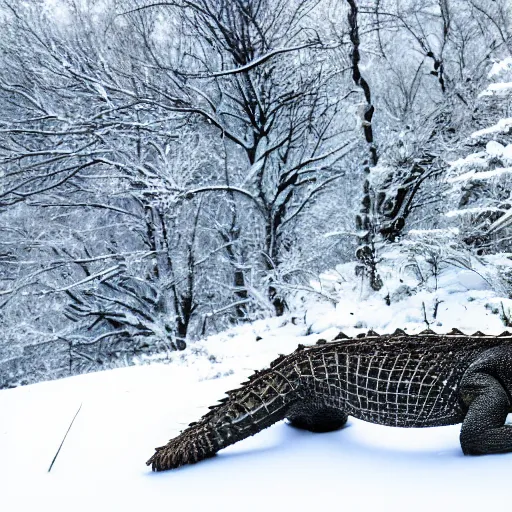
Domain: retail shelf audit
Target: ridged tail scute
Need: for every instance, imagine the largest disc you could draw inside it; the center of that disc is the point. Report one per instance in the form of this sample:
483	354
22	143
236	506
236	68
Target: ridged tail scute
192	445
261	401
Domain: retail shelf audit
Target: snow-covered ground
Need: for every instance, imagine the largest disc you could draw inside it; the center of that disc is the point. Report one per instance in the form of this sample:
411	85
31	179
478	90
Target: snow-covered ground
125	413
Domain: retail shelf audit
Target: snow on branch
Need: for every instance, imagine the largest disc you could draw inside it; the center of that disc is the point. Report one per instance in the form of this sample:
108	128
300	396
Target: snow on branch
502	126
472	211
501	66
480	175
226	188
503	222
104	274
499	89
260	60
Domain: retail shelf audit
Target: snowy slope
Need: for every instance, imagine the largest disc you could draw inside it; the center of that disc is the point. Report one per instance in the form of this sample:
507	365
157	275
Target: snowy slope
127	412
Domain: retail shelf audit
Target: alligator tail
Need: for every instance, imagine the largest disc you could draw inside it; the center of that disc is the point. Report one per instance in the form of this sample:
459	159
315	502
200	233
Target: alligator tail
261	401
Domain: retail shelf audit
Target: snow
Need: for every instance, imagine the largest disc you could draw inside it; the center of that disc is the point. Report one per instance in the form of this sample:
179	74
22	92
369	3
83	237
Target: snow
503	222
447	232
464	294
500	88
472	211
502	126
493	149
482	159
497	150
127	412
500	67
473	160
480	175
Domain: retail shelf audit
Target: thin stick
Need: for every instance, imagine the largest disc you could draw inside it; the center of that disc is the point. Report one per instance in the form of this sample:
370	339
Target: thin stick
64	438
425	315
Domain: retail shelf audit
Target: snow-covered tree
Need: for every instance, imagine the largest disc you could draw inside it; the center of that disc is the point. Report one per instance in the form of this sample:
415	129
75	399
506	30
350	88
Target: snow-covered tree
481	181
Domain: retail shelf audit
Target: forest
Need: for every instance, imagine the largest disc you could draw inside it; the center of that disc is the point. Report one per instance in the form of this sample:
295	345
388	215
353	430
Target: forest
170	169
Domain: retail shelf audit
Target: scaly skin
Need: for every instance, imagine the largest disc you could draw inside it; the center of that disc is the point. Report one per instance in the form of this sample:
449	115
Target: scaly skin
420	380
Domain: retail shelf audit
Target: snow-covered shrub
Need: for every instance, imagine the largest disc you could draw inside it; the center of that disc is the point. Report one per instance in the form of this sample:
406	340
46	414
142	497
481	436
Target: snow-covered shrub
499	273
424	254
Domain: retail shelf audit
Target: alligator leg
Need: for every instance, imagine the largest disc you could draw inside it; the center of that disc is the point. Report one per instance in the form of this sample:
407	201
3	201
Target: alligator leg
483	429
315	416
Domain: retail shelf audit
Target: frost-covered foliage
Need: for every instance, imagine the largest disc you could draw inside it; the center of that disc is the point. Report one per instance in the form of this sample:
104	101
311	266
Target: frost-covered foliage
171	169
482	180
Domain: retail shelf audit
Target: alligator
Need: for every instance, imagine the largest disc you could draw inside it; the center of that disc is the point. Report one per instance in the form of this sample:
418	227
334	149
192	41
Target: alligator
399	380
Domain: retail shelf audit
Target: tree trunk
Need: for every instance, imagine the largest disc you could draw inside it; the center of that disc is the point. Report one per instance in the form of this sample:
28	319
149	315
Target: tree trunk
366	220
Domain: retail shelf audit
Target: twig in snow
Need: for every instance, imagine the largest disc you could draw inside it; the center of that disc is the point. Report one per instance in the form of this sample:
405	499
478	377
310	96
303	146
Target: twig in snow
425	315
64	438
506	318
